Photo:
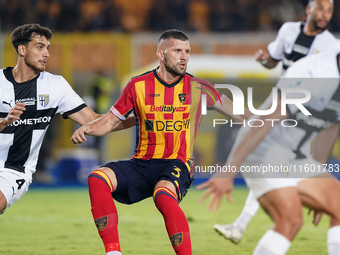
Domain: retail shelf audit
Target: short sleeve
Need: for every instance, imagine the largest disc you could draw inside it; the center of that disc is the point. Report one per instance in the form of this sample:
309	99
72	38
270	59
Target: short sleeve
276	47
70	101
124	105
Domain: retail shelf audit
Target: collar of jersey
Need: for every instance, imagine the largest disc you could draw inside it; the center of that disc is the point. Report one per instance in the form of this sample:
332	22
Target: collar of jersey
308	36
167	84
9	76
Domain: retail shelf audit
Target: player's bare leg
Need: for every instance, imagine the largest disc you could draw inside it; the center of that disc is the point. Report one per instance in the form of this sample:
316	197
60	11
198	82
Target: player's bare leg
322	195
177	226
234	231
3	202
284	207
102	183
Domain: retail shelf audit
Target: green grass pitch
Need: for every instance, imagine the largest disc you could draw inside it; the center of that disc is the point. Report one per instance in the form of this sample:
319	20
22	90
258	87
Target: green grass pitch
59	222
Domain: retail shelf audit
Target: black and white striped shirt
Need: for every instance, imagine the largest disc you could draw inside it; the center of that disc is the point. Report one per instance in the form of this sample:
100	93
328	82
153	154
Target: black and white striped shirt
291	44
44	96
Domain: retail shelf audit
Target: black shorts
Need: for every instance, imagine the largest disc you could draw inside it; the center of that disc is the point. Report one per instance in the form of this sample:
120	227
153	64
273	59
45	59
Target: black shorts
136	178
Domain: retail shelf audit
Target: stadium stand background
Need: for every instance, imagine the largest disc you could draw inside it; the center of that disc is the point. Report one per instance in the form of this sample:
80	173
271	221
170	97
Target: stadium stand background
153	15
118	39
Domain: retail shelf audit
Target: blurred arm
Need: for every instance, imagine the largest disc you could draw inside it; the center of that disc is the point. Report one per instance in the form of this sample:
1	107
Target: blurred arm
265	59
322	144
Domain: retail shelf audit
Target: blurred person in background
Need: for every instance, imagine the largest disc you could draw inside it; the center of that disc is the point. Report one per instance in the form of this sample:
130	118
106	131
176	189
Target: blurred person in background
299	39
282	166
101	89
295	40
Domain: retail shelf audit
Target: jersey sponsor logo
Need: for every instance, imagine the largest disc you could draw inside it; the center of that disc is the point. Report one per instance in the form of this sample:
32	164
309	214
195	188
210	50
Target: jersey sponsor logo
154	95
167	108
44	100
26	101
101	223
176	239
182	97
32	121
300	49
287	62
9	104
167	125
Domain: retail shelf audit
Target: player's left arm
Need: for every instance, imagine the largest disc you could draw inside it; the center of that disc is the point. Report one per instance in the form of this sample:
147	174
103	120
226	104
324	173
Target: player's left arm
227	110
323	142
87	115
84	116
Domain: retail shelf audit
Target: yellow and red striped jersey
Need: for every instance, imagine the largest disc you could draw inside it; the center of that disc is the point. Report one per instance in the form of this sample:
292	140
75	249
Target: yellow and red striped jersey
167	114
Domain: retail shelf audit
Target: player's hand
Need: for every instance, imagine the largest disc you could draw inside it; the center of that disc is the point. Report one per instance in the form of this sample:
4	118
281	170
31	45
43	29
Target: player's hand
79	135
218	187
316	217
260	56
14	113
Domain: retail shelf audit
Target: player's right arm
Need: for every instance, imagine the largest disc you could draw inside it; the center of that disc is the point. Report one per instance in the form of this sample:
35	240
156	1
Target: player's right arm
13	115
265	59
99	127
322	144
275	49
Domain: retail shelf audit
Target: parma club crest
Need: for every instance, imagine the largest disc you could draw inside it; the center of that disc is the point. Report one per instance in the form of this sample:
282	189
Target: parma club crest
101	223
176	239
182	97
44	99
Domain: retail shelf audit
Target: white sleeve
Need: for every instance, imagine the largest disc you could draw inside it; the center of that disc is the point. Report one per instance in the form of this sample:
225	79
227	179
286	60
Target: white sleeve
276	47
70	101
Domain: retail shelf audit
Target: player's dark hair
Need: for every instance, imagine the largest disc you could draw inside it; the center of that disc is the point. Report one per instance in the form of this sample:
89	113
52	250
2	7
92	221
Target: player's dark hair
174	34
22	35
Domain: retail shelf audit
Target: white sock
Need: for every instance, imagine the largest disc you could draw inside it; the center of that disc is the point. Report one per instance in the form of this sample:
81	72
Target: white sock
272	243
333	240
113	253
249	210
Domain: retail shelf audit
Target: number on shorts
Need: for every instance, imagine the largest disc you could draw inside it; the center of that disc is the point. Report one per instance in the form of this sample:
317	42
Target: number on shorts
20	182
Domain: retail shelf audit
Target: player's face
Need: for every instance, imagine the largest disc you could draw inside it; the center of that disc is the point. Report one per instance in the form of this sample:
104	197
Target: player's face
320	13
37	53
176	56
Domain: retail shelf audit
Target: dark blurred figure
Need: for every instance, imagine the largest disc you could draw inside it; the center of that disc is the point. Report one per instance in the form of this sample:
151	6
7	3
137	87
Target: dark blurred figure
15	13
99	15
168	14
69	15
221	15
284	11
335	21
226	136
188	15
246	14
